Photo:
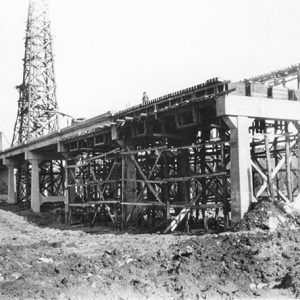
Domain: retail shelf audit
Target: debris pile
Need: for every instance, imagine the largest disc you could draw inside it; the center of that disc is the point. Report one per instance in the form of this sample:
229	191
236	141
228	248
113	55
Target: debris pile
269	215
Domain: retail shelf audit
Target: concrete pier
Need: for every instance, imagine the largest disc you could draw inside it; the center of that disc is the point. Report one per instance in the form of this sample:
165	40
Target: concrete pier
11	189
35	185
240	171
239	112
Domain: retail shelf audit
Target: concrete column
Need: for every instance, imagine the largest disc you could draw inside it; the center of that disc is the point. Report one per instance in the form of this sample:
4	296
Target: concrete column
35	185
240	170
11	189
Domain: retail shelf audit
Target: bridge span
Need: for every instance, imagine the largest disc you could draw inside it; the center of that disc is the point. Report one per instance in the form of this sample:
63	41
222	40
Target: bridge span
205	152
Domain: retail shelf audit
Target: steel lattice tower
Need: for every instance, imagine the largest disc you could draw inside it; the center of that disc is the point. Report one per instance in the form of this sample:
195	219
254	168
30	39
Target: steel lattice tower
37	105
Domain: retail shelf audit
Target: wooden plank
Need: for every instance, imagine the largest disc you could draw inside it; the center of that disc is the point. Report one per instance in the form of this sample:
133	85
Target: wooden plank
152	203
100	202
52	199
183	213
198	176
199	206
130	152
114	151
179	179
94	183
261	136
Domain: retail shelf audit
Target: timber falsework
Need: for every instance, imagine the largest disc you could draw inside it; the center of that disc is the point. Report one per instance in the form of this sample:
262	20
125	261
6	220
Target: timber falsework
167	162
195	158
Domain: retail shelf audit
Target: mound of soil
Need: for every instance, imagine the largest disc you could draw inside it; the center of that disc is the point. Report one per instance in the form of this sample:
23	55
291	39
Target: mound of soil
267	215
49	263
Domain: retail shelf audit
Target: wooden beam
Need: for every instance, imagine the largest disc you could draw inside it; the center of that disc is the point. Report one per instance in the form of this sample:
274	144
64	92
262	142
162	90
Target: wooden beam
288	165
182	214
94	158
269	169
94	203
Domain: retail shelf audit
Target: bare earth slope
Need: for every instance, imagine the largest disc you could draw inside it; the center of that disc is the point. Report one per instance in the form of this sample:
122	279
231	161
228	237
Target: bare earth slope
48	263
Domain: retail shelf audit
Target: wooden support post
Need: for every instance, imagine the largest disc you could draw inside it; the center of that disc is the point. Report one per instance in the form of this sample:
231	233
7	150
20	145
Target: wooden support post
51	178
168	215
130	191
95	192
224	189
184	170
88	188
205	136
203	183
269	169
288	164
276	153
187	224
165	187
195	171
123	190
131	185
70	190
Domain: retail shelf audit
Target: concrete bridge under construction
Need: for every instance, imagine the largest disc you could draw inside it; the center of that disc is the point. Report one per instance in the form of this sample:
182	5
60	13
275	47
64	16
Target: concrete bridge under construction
211	149
202	153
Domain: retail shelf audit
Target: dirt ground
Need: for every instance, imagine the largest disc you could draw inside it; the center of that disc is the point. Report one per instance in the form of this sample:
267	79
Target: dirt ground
40	259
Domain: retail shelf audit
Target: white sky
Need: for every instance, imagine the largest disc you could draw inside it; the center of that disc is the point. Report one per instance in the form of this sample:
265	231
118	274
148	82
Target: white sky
108	52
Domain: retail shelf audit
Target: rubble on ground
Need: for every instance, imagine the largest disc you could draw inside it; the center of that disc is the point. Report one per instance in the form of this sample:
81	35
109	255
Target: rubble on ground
270	215
52	263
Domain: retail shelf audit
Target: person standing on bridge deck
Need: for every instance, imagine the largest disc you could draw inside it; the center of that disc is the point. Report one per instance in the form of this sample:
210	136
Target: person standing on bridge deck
145	98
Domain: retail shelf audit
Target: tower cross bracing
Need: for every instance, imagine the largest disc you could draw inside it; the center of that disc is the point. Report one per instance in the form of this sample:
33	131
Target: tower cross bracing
37	105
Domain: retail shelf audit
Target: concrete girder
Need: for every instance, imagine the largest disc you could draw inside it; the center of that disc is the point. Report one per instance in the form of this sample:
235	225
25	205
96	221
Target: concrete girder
258	108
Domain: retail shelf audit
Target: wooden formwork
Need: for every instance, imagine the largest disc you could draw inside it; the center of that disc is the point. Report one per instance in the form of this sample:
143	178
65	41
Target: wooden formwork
275	161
